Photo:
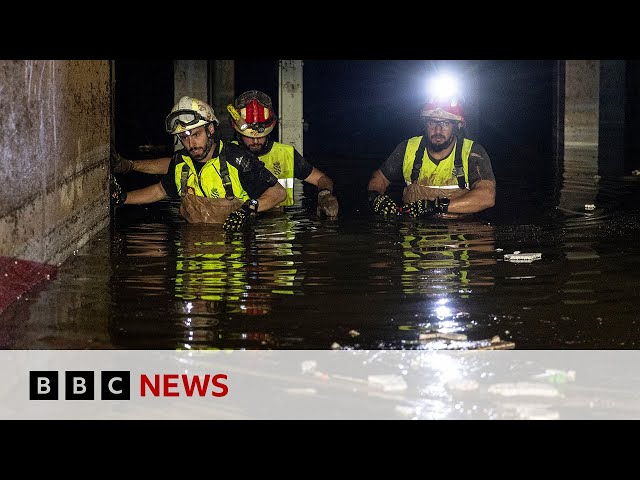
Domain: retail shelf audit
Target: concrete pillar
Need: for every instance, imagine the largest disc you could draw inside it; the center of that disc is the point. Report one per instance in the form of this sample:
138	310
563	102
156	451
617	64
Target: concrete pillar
581	134
223	93
190	78
291	120
582	101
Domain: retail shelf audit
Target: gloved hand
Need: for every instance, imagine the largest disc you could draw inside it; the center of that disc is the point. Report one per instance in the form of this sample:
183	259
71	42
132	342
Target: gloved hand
119	164
382	204
423	208
117	195
241	218
327	204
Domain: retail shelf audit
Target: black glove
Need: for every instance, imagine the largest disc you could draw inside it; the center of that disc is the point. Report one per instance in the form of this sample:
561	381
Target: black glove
382	204
425	208
119	164
241	218
117	195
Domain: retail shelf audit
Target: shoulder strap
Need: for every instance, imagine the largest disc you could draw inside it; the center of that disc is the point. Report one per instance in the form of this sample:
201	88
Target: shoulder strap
184	176
417	162
224	174
458	169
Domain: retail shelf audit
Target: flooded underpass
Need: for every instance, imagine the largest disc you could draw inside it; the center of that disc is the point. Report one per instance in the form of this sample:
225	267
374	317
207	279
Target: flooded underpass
296	281
389	289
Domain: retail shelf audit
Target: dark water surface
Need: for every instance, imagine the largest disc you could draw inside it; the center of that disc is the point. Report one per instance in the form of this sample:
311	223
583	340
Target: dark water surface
152	281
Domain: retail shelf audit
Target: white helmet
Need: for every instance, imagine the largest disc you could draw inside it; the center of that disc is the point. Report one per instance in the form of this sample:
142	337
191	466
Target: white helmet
189	113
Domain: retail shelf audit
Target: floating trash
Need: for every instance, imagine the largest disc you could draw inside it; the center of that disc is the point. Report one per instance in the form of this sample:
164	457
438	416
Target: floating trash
388	383
517	257
518	389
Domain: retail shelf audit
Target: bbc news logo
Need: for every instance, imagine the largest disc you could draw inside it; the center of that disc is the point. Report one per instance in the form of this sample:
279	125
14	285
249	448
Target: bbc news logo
116	385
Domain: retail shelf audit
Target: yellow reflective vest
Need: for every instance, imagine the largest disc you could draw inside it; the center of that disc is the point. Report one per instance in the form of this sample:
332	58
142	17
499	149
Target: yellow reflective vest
440	175
279	161
208	183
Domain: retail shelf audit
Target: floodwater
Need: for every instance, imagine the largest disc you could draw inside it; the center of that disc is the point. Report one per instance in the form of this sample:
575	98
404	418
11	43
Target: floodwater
152	281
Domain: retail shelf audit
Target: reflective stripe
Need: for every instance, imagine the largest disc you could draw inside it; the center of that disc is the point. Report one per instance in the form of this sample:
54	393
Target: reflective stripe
286	182
441	187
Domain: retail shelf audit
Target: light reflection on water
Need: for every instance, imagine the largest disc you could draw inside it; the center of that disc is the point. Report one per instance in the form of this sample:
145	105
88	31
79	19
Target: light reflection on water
152	281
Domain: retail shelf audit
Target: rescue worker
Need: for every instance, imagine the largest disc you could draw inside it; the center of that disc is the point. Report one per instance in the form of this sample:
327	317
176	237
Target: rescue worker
443	172
253	119
225	174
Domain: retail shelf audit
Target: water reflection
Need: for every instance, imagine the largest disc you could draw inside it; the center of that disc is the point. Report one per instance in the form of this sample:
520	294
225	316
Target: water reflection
152	281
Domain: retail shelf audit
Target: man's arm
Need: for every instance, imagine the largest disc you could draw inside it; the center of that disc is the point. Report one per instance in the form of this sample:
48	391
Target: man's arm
150	194
482	193
271	197
378	182
327	202
320	180
481	196
389	172
157	166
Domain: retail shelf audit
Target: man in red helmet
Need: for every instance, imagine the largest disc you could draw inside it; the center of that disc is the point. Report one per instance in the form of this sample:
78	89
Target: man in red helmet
253	118
443	172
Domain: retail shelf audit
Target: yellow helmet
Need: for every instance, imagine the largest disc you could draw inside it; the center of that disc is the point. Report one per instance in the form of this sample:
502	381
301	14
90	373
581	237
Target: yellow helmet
189	113
257	117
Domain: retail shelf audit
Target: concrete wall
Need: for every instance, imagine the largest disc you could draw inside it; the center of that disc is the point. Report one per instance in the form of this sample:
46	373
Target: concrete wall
54	149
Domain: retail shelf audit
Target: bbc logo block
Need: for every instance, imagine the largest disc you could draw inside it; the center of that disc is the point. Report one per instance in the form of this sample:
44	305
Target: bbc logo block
79	385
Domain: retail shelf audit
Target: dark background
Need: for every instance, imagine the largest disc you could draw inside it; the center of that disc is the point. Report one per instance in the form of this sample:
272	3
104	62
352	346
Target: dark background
357	111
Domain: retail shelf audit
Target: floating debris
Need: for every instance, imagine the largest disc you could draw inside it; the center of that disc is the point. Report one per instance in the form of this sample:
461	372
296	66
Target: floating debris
557	377
388	383
517	257
459	341
463	385
458	337
524	389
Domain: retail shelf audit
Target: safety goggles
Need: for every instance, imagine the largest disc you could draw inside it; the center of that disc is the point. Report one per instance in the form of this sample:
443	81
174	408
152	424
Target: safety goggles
185	118
444	124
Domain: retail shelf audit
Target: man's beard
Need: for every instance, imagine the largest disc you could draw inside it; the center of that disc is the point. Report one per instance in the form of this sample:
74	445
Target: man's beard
438	147
206	149
256	149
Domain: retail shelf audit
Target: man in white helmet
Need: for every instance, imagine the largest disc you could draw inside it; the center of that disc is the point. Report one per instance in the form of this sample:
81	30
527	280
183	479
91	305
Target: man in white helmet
253	118
222	172
443	172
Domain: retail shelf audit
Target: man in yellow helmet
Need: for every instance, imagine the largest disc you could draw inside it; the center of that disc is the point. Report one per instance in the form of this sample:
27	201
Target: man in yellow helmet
208	167
443	172
253	118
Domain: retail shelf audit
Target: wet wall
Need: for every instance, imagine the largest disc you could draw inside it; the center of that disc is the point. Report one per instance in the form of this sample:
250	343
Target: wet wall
54	149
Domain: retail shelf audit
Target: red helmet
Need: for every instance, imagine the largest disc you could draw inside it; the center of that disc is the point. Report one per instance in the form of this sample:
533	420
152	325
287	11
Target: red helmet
447	108
256	111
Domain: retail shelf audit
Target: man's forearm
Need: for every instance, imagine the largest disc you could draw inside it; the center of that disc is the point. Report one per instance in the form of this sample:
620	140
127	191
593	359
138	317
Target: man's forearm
154	166
271	197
